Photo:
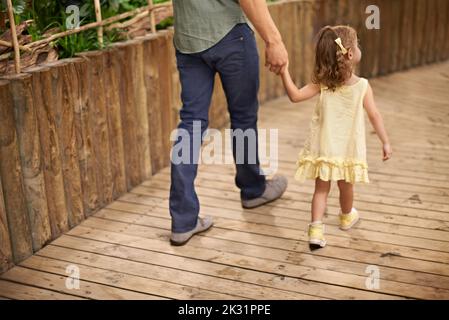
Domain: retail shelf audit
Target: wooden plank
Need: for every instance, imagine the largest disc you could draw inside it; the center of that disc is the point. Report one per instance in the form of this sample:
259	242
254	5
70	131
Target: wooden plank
377	240
285	217
117	153
174	275
387	208
247	234
230	266
374	206
290	207
11	173
64	98
6	260
323	275
282	251
57	281
250	257
44	102
169	277
381	233
31	159
17	291
127	285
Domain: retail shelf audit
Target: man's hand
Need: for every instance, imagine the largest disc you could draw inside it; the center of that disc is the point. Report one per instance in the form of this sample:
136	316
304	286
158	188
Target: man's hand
276	57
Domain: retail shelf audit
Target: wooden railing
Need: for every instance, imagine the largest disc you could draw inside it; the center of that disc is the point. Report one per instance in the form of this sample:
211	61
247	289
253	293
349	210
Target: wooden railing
78	133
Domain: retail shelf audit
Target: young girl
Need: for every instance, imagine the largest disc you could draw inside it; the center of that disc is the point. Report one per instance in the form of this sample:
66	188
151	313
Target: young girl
336	148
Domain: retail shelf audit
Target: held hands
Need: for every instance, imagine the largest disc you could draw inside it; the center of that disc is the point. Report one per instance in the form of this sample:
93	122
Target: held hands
387	152
276	57
285	70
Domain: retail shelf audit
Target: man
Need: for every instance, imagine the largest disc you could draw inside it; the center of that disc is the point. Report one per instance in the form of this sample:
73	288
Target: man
212	36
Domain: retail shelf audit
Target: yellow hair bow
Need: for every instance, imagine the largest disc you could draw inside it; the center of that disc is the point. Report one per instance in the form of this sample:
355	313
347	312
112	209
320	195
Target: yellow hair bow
343	49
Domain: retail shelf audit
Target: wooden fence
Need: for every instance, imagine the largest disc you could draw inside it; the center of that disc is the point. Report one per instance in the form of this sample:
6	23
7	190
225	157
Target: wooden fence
78	133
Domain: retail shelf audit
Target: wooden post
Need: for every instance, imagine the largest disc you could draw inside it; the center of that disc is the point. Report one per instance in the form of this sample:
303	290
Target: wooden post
112	83
442	27
99	124
153	87
85	137
152	18
270	76
176	83
165	78
128	116
98	17
308	43
5	241
11	173
63	82
31	158
14	36
141	106
261	50
44	101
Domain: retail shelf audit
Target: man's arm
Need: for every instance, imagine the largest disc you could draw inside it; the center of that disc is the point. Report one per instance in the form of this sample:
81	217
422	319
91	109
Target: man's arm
276	56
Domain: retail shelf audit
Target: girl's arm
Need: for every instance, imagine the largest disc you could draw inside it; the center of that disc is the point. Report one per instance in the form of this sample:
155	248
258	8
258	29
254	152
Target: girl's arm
377	122
295	94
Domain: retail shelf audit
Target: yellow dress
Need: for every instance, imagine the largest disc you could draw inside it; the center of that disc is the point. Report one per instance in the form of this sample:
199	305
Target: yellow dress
336	146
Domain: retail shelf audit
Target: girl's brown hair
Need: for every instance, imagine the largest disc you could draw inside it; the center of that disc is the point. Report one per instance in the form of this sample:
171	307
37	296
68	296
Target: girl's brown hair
332	68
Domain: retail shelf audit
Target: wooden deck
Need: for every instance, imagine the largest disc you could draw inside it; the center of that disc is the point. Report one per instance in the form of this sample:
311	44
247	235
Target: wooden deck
122	251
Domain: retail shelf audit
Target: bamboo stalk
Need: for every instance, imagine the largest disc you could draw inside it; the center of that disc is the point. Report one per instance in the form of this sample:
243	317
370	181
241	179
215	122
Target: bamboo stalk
98	17
152	18
96	24
10	45
14	36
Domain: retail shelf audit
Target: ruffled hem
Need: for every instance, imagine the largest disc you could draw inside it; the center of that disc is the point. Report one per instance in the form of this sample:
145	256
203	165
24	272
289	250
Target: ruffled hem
332	170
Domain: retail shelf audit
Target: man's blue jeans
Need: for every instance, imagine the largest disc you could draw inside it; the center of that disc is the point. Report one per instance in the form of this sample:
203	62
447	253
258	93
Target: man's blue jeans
236	60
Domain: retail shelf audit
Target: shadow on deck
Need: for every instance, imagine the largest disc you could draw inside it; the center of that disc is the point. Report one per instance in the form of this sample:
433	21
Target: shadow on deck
122	252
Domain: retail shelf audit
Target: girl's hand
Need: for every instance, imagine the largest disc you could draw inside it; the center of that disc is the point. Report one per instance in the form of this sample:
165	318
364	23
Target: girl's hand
285	70
387	151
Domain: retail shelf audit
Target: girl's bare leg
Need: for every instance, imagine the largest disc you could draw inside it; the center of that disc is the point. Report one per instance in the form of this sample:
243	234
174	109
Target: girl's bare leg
319	201
346	196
